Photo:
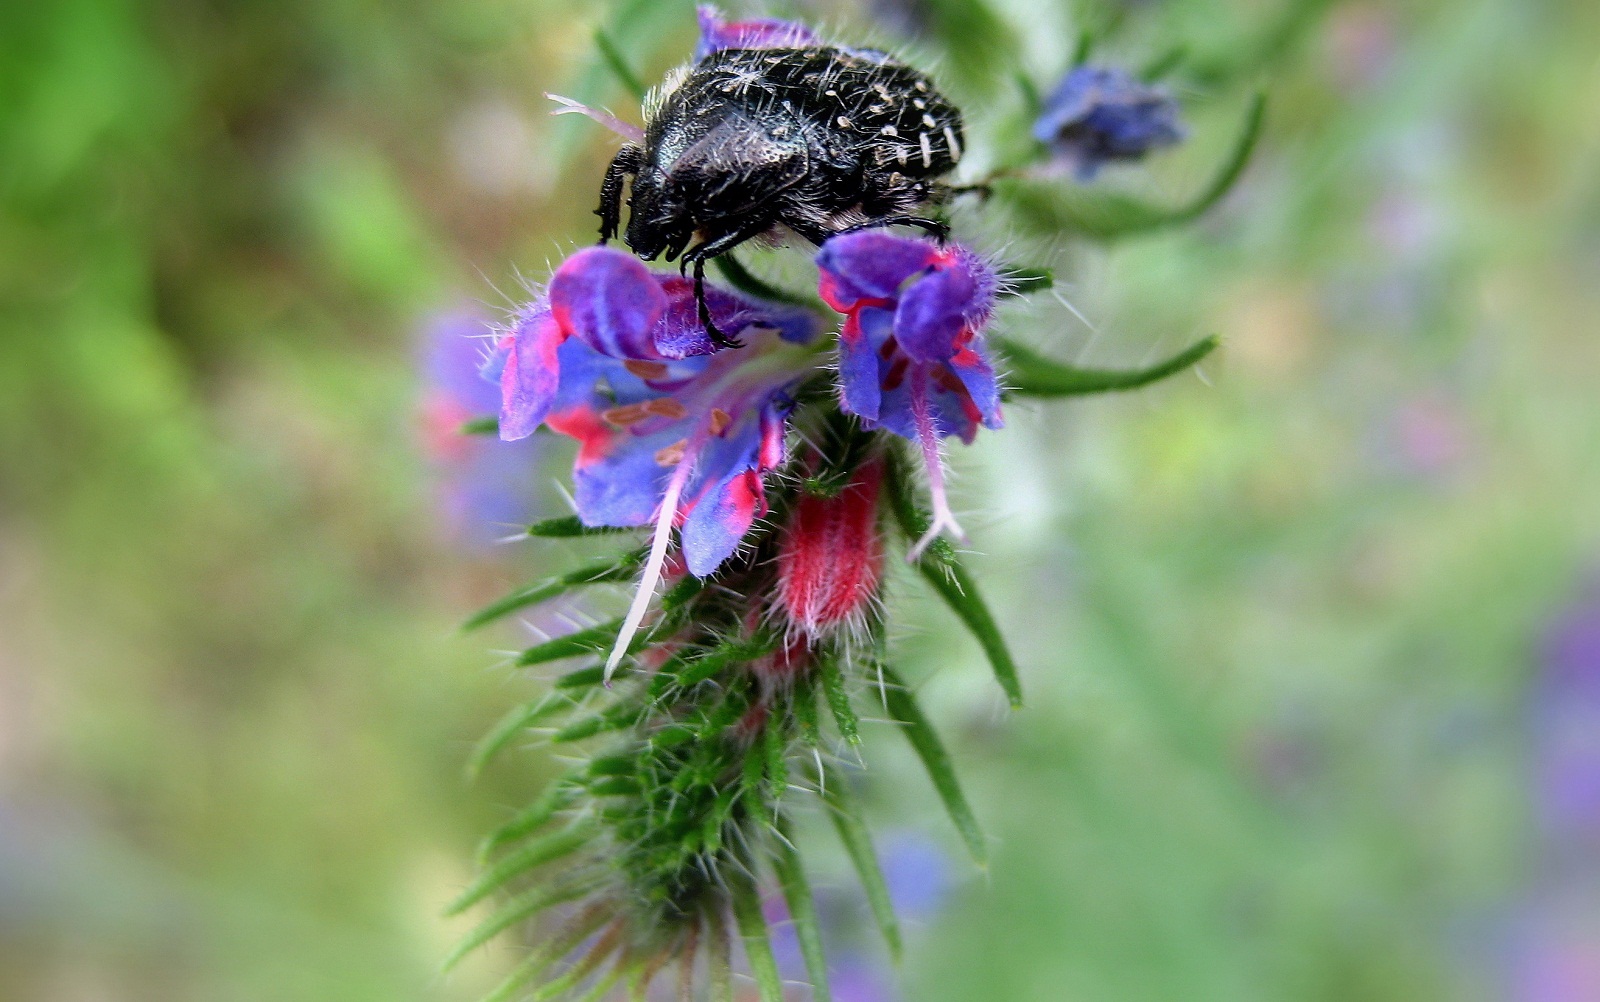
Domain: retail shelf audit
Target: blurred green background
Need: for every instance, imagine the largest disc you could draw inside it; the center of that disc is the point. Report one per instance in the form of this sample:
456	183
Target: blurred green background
1277	619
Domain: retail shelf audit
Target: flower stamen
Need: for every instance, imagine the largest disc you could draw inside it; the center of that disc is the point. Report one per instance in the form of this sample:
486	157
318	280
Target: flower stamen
928	440
653	565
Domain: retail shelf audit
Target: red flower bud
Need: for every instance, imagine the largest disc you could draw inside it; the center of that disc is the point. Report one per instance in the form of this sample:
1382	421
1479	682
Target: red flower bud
830	559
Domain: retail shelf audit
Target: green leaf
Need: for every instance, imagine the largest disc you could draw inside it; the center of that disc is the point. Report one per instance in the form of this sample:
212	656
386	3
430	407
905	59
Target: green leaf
583	678
721	810
1032	375
481	426
803	911
615	718
522	907
681	673
591	640
803	703
616	786
512	865
519	718
902	706
733	704
857	842
1032	100
1081	50
614	60
755	768
1164	64
775	747
570	526
682	593
757	948
719	957
604	569
1048	206
943	570
530	819
839	700
743	279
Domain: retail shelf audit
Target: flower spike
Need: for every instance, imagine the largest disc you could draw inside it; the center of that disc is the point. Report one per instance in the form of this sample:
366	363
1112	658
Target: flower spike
770	443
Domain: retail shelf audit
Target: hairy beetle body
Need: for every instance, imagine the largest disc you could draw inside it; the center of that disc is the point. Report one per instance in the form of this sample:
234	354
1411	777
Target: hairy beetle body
747	143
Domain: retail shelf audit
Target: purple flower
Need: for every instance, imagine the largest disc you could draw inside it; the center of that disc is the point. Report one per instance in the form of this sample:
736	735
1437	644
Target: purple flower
763	33
614	356
485	485
1100	114
911	353
1566	724
620	310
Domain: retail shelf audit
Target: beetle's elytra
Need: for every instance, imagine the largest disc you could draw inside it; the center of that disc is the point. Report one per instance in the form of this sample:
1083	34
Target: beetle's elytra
816	140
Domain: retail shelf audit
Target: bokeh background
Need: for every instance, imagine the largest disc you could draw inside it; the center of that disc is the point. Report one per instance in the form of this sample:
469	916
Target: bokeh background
1311	637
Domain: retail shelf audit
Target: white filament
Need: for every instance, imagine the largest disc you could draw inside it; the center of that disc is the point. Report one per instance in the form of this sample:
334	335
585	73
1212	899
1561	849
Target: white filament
928	438
652	568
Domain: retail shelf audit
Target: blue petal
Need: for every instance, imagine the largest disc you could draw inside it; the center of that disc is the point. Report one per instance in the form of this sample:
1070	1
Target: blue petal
861	368
625	486
531	373
932	313
725	497
610	300
870	264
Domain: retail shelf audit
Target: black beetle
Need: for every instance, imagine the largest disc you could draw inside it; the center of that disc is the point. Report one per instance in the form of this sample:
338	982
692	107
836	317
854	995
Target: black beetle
817	139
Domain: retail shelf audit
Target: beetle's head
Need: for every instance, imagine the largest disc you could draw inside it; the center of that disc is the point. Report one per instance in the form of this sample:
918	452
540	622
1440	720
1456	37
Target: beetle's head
659	220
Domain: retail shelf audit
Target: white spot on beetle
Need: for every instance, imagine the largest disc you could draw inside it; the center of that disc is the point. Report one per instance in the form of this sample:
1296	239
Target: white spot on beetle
950	139
927	149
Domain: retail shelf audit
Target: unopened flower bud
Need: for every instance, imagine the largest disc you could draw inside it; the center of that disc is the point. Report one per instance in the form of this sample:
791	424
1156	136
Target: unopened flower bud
830	560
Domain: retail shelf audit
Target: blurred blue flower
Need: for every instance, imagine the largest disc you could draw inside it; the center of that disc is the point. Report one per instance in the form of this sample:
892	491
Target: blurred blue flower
918	875
1554	935
1103	114
762	33
1566	726
485	486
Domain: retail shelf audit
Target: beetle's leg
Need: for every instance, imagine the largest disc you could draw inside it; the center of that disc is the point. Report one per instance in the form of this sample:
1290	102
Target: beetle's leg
983	189
699	254
938	227
627	162
718	338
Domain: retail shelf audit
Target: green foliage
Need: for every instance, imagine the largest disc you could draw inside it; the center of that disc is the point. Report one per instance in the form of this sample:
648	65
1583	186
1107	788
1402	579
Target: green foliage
230	604
791	874
603	570
1029	374
757	948
857	840
903	708
941	568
